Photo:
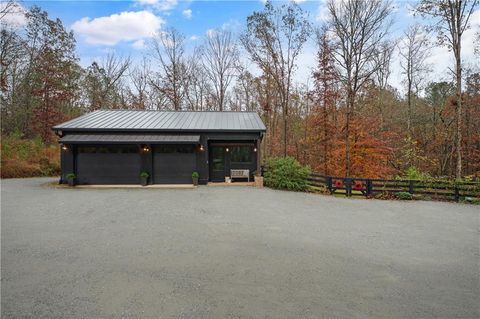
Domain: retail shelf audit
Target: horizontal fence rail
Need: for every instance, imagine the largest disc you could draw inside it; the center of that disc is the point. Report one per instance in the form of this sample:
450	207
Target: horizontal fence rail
369	187
447	190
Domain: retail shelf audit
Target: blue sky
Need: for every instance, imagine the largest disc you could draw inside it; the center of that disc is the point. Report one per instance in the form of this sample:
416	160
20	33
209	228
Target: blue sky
125	27
193	18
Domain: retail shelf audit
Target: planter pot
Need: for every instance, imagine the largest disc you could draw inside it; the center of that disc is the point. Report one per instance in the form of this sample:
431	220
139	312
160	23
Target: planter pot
195	181
71	182
144	181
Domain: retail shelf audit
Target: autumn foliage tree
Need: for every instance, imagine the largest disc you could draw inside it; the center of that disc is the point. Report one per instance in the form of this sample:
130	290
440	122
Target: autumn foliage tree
359	27
48	84
452	20
322	124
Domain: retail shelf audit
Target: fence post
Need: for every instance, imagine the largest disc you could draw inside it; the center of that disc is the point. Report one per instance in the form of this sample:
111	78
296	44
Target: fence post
411	186
348	186
369	187
457	193
329	183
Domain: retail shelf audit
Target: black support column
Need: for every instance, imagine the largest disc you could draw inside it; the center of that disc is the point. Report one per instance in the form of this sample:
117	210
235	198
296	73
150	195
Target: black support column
146	161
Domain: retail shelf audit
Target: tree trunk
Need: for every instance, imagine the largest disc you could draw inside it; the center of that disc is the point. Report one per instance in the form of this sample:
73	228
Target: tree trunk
458	113
409	101
325	130
285	128
350	104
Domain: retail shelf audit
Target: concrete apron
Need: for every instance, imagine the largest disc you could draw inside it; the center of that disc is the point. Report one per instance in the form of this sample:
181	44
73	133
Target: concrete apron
231	184
127	186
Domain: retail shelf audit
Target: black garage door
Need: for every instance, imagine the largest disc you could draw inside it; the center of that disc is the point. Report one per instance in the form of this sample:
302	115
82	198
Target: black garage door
108	165
174	164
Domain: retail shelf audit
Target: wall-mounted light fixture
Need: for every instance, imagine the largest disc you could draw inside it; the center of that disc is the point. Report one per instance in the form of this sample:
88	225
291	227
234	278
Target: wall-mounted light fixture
201	148
227	150
254	149
64	147
145	148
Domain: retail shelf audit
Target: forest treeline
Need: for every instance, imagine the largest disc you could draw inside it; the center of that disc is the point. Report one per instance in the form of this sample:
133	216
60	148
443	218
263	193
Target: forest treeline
347	120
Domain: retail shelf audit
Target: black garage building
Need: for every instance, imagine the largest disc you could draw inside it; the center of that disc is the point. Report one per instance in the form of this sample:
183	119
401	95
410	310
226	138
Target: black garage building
114	147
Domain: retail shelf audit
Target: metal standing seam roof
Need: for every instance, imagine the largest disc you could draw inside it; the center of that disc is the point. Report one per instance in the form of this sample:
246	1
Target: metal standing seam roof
129	138
164	121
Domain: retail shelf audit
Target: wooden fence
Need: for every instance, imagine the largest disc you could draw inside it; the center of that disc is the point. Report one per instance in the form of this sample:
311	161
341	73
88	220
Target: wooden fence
438	189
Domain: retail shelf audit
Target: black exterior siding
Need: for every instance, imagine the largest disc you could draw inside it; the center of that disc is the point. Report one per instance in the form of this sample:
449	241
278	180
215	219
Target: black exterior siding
200	161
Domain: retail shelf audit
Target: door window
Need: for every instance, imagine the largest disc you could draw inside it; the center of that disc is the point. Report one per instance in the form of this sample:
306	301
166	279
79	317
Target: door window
218	158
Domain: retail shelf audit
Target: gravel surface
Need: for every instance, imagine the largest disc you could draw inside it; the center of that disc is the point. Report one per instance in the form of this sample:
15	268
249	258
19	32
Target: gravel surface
232	252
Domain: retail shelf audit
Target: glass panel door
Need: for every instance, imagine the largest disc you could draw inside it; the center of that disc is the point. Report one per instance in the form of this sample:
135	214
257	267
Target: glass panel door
217	164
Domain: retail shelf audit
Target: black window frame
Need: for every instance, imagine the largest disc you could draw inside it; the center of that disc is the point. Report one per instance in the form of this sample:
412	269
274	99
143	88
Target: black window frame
250	147
174	149
107	149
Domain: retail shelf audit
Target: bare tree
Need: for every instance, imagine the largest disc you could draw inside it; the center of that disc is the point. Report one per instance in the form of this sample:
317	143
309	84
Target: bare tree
244	90
414	50
103	82
452	19
359	27
198	89
139	78
169	51
274	39
220	56
115	68
9	7
382	61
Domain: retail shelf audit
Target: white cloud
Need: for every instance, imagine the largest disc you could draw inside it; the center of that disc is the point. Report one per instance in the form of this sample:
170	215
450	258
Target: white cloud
231	25
187	13
442	60
139	44
193	38
147	2
306	61
322	12
15	18
162	5
468	39
211	32
125	26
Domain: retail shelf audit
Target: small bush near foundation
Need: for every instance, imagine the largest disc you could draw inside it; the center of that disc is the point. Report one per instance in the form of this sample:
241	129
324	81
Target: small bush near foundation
403	196
286	173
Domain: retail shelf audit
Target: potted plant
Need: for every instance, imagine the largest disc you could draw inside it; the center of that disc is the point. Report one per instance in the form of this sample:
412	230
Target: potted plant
144	178
71	179
195	176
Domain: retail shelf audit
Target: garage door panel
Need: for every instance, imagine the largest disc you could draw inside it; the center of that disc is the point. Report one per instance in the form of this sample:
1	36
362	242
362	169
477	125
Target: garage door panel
108	168
174	167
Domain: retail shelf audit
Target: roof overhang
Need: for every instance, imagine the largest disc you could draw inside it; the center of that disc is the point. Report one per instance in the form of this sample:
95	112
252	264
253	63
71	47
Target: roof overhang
129	139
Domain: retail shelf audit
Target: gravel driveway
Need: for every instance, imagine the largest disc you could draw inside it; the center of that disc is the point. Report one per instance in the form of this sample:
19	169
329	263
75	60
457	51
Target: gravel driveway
235	252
